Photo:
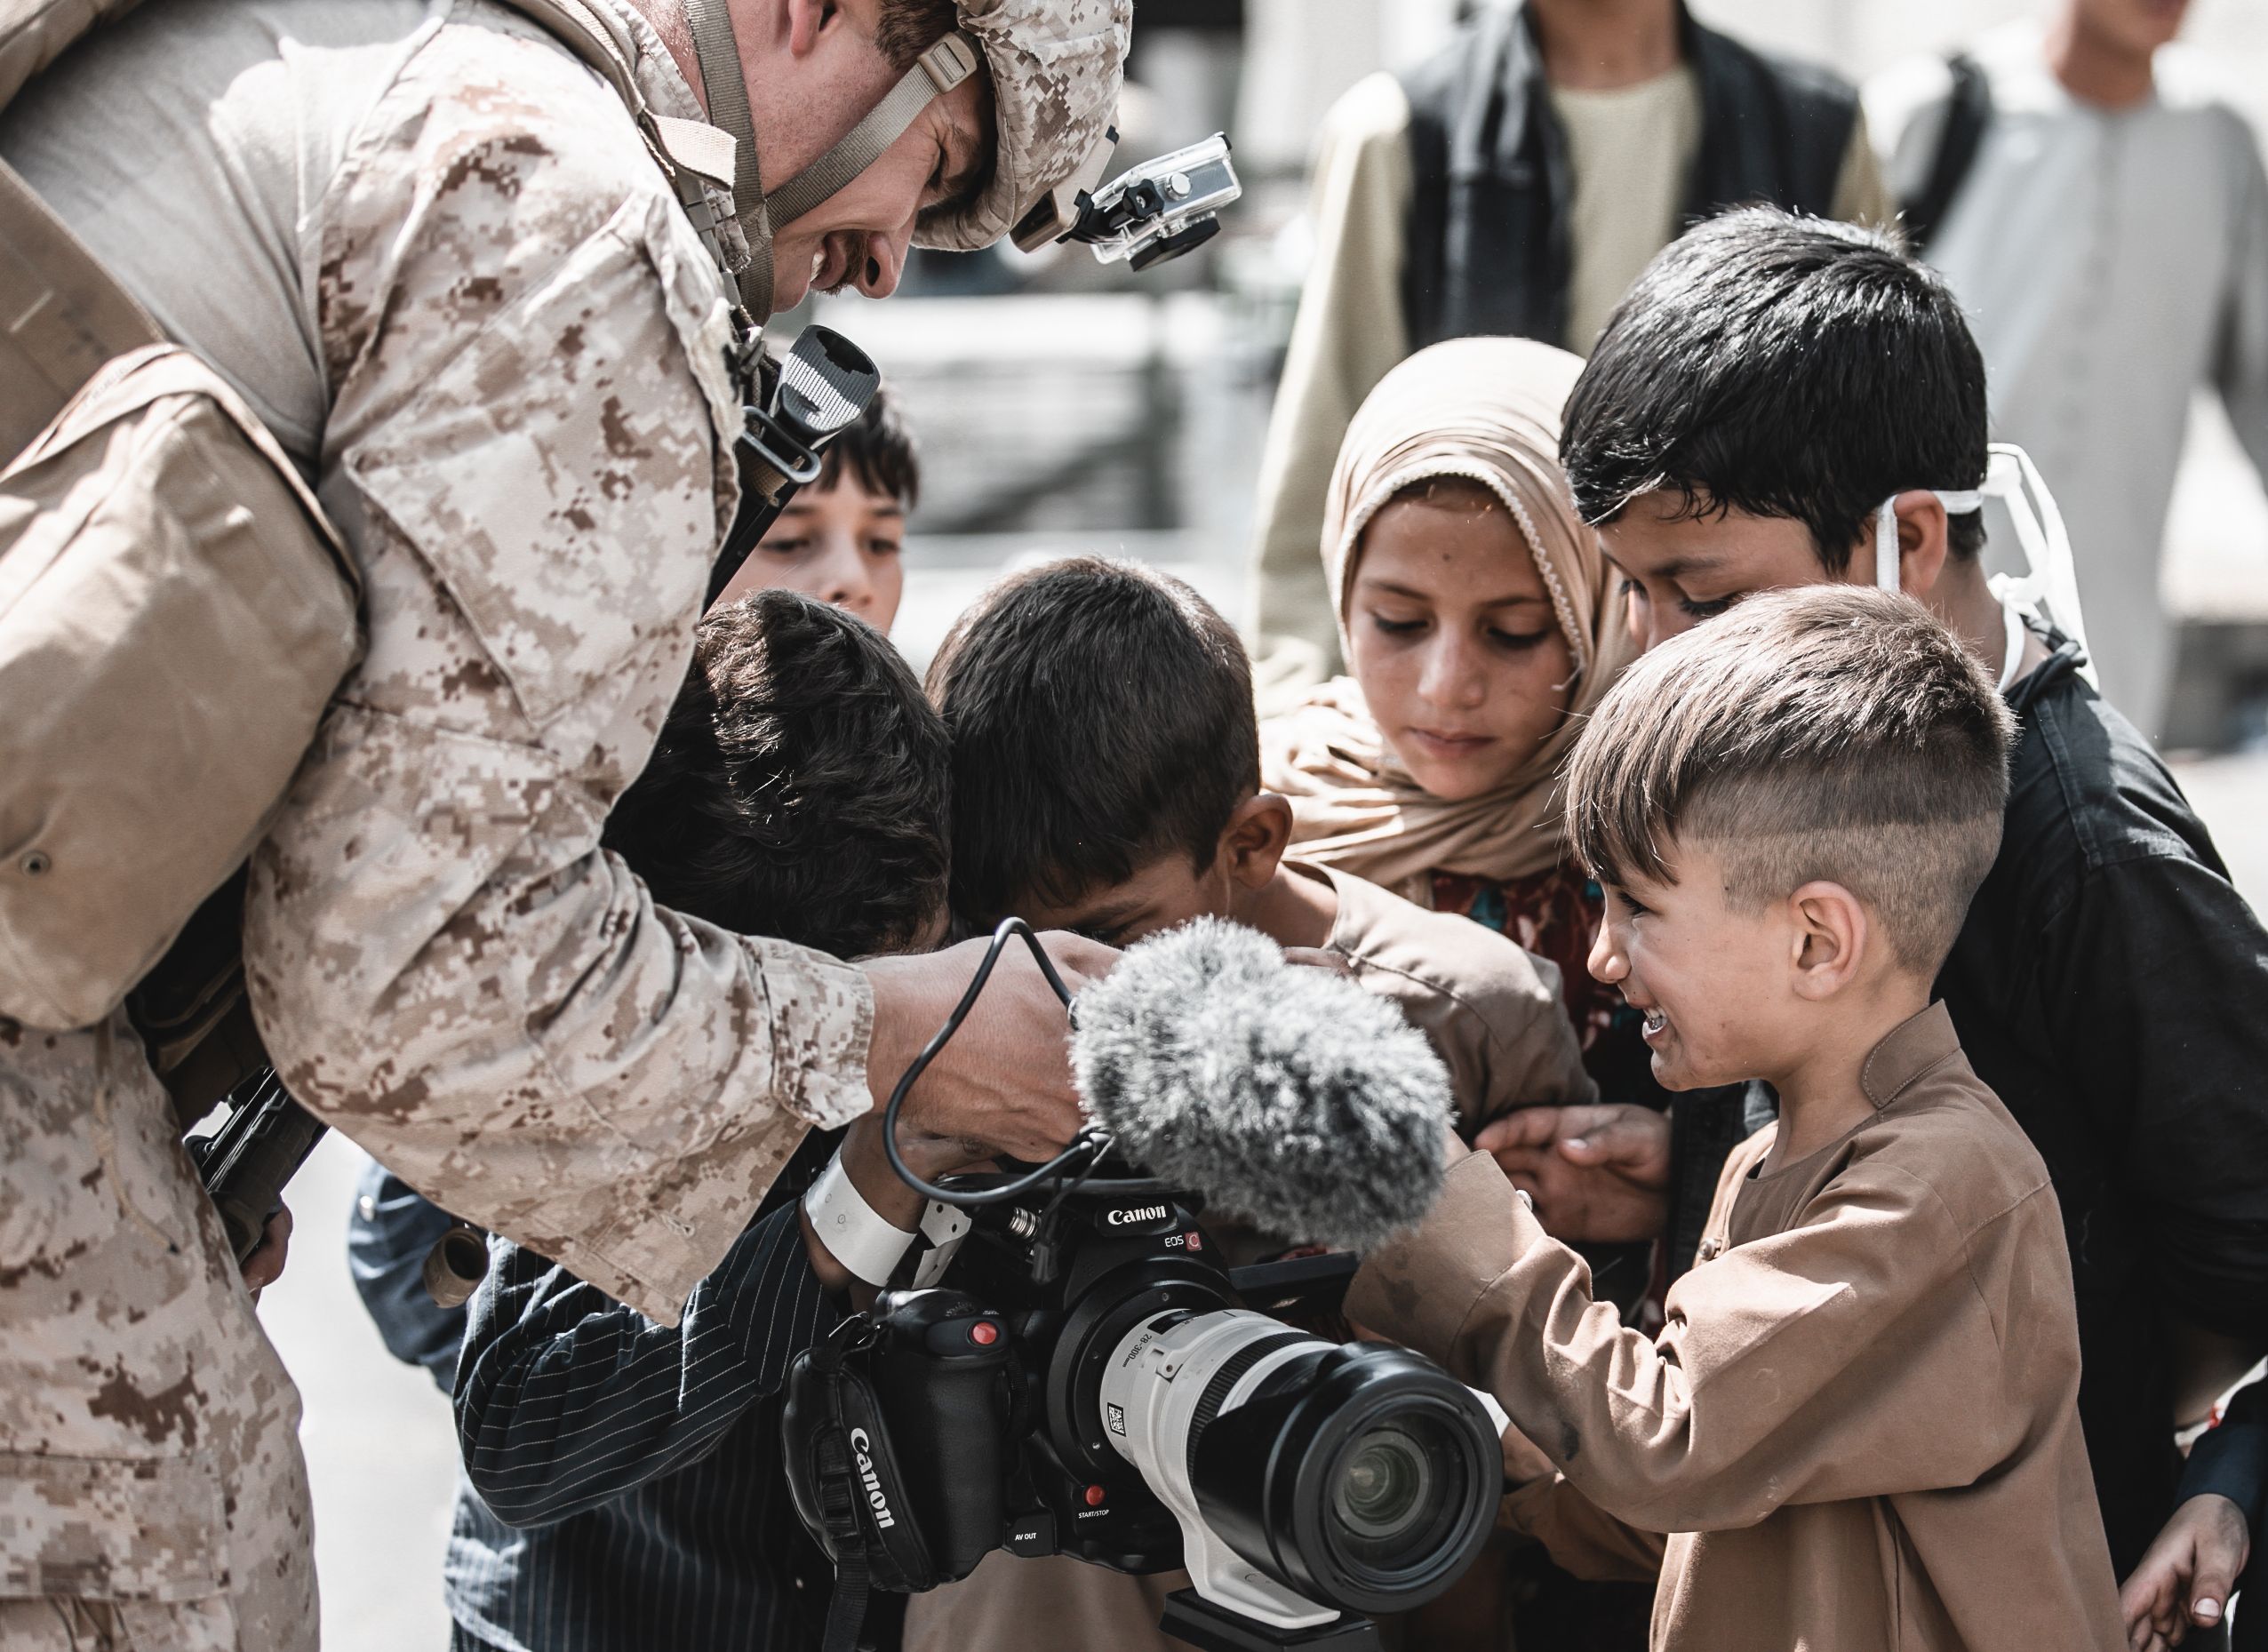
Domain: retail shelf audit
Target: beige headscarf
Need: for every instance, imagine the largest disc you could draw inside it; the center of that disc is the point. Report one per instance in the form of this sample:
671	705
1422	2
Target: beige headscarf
1487	410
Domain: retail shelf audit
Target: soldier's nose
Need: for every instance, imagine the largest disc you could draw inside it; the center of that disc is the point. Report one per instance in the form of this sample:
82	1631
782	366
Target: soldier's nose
885	263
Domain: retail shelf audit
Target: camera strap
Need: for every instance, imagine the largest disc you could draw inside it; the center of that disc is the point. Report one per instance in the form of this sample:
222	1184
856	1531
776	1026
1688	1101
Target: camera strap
843	1473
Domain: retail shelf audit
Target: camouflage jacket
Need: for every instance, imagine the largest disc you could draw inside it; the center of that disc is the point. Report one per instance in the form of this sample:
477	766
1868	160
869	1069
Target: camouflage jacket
524	338
519	339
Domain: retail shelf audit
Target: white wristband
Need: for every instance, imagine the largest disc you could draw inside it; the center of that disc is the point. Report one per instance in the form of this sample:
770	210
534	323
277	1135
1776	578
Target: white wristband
855	1234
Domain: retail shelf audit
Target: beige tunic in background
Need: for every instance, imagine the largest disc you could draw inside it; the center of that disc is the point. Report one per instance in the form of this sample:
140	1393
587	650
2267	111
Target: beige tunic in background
1860	1424
430	244
1630	151
1350	329
1494	1015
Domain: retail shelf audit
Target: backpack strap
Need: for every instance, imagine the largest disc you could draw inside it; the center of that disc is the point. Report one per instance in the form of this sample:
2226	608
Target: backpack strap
692	154
63	314
1969	111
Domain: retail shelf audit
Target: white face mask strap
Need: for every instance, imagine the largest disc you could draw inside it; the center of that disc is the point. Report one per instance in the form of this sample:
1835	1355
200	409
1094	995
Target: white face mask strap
1887	555
2047	545
2051	577
1886	544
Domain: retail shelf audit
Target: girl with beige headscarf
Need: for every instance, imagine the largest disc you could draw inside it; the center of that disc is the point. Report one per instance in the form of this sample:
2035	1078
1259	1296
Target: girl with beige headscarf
1480	624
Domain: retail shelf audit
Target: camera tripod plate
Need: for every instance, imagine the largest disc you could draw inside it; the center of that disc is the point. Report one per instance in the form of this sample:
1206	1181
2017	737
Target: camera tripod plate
1205	1625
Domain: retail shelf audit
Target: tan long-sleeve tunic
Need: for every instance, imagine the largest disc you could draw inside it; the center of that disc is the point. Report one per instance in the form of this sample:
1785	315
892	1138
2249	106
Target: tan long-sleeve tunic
1859	1427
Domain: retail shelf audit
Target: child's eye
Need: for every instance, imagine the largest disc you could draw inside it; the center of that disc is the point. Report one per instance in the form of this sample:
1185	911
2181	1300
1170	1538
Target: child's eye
785	547
1635	908
1517	641
1397	627
883	547
1710	610
1631	588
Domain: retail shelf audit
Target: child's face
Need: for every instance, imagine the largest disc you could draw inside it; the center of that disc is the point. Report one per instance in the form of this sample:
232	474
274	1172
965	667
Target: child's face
1715	980
838	545
1678	570
1166	892
1455	642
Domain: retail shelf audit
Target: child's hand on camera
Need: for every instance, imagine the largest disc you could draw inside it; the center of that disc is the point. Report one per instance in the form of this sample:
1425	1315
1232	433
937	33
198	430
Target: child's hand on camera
2186	1576
1596	1175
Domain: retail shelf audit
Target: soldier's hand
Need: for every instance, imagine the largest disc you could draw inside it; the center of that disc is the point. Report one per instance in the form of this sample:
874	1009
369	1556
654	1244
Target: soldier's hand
1598	1175
265	1266
1004	1081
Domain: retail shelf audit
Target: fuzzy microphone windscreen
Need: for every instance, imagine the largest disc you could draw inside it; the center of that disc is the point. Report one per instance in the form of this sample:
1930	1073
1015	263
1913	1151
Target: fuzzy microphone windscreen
1281	1092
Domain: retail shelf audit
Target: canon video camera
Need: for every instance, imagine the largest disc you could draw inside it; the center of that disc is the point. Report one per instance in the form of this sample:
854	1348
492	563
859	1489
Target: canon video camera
1082	1374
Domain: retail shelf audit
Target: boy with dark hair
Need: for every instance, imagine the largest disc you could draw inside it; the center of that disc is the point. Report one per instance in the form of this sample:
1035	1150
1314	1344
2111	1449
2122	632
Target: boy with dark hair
1106	780
796	790
1104	741
841	536
622	1476
1774	396
1859	1427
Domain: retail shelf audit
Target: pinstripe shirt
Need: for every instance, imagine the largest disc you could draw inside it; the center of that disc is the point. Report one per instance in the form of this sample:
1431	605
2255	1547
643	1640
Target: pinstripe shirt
640	1464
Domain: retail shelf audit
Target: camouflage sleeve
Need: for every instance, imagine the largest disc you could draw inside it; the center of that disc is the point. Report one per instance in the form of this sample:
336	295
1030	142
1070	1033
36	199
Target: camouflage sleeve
523	340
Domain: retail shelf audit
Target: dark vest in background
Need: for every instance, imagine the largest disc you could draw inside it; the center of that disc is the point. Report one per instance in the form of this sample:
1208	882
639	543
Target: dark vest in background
1487	245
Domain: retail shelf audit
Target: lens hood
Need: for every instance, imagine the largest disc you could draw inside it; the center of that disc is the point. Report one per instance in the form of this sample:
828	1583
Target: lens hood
1361	1475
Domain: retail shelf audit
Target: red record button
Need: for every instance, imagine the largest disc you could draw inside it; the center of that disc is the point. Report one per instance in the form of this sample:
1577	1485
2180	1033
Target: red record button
1096	1495
984	1333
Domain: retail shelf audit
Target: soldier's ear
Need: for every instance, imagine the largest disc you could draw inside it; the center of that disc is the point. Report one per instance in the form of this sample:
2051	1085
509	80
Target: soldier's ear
808	22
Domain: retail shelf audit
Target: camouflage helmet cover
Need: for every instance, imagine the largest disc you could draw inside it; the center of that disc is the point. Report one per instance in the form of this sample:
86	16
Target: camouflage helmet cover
1056	70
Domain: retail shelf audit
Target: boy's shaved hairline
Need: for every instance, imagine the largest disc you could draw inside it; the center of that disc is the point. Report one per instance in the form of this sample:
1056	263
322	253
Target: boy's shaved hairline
1829	733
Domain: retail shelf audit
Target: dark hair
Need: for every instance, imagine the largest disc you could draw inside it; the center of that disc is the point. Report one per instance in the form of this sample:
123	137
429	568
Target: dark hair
1828	731
878	452
909	28
1786	367
1101	716
799	788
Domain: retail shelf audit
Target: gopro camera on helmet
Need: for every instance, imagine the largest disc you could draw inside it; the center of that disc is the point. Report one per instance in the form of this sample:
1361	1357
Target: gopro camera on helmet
1087	1377
1145	215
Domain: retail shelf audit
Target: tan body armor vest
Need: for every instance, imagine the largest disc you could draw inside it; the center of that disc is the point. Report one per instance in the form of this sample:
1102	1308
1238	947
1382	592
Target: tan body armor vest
175	611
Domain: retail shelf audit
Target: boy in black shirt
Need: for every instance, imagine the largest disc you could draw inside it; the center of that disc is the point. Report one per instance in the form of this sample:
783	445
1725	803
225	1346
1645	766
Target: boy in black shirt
1769	388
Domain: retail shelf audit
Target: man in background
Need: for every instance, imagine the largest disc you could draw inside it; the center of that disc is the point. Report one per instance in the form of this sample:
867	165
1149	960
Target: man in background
2103	216
1516	183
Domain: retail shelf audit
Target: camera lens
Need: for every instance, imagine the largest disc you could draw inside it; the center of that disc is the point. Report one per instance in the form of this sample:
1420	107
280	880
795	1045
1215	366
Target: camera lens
1361	1476
1382	1492
1400	1491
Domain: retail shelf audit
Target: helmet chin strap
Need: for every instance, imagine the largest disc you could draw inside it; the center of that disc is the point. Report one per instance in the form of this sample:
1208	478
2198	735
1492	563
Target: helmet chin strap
936	72
724	86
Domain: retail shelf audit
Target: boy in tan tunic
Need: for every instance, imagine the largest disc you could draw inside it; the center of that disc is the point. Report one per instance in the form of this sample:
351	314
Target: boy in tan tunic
1858	1428
1105	780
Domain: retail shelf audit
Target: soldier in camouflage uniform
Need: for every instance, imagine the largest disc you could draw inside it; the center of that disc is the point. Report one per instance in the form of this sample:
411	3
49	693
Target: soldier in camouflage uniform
427	246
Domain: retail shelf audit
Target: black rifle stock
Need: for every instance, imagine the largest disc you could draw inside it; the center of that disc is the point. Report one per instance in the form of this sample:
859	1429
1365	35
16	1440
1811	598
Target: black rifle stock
246	1162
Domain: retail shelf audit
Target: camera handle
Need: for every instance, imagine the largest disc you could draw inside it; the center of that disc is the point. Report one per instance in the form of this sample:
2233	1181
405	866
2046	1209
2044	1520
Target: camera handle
1191	1617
